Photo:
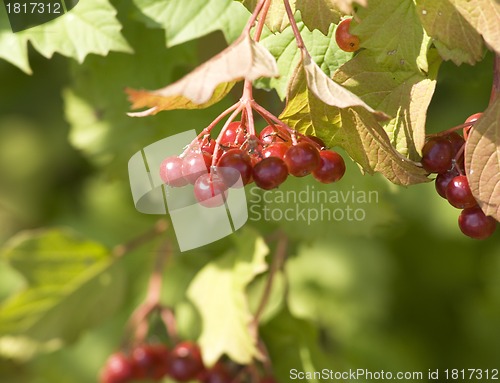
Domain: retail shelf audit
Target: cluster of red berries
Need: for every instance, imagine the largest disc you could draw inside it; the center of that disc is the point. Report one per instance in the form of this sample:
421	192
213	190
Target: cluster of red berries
266	160
155	361
444	155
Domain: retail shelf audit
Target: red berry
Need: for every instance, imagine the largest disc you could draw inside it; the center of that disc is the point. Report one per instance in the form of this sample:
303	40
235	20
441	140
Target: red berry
276	150
458	193
331	168
195	164
302	159
270	173
234	134
475	224
233	164
472	118
437	155
345	40
208	146
171	172
118	369
185	362
442	181
210	190
274	133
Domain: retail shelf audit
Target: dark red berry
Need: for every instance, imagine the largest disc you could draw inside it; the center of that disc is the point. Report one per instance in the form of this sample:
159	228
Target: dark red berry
458	193
118	369
442	181
270	173
195	164
437	155
457	142
302	159
276	150
210	190
331	168
150	361
475	224
171	172
345	40
274	133
233	164
185	362
219	373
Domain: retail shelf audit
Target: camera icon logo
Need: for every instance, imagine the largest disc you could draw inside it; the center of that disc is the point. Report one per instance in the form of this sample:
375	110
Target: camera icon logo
195	225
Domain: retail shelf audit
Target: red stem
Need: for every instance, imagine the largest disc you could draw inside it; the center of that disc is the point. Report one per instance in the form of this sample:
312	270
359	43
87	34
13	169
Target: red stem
252	19
238	109
295	28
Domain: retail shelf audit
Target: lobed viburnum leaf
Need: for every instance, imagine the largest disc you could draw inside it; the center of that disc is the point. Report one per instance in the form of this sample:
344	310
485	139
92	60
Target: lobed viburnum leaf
72	284
90	27
353	128
454	37
211	81
405	95
346	6
276	19
482	160
187	20
393	32
319	14
483	15
218	291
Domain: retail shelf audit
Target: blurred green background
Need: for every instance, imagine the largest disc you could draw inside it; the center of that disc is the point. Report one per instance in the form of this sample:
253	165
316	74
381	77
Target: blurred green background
402	290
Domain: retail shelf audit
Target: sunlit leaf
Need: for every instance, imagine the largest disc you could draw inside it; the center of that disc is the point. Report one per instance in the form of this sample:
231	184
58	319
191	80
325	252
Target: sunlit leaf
244	59
405	95
482	160
218	292
319	14
355	129
452	34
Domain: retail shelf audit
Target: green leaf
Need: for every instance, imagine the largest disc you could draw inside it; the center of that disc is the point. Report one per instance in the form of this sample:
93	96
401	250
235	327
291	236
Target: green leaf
12	48
393	31
218	292
283	47
405	95
453	36
482	160
72	284
293	345
353	128
319	14
90	27
185	21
